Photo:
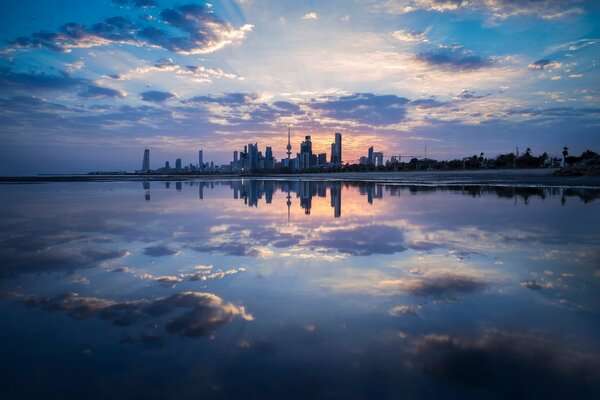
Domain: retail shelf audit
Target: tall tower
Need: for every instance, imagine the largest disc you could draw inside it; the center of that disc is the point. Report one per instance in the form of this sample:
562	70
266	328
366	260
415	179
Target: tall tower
200	160
146	162
338	147
289	145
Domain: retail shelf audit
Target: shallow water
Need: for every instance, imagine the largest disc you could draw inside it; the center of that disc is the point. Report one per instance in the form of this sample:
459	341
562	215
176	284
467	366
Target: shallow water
296	289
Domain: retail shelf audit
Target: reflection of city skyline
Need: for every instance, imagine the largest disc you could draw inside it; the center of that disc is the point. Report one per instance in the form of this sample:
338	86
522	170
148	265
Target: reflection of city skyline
254	191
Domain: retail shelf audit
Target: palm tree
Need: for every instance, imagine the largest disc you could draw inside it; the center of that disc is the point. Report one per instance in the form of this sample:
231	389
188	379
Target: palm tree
565	153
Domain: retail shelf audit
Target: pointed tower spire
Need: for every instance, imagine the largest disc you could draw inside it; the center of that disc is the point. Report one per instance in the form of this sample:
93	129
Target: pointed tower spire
289	145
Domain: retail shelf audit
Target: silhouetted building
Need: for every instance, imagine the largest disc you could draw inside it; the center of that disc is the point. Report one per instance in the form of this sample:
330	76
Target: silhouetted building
200	160
269	160
146	161
167	165
378	158
370	156
336	149
322	159
178	163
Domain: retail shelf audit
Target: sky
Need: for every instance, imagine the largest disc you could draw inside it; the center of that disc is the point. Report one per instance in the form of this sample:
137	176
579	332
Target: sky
86	86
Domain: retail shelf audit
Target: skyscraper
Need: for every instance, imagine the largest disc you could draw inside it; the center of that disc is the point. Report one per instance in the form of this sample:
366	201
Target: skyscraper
269	161
178	163
370	160
336	149
200	160
146	162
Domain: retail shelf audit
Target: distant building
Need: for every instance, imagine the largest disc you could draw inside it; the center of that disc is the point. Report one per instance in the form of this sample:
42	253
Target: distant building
269	160
167	165
322	159
178	163
146	161
200	160
336	149
370	160
378	158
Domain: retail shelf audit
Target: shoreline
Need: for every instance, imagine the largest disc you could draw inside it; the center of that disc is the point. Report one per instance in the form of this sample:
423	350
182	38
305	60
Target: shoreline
512	177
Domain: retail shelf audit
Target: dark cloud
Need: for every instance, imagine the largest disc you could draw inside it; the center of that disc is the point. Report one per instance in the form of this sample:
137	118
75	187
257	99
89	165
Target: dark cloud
361	241
366	108
469	94
202	32
233	99
159	251
454	58
534	285
156	96
196	314
32	82
99	92
444	284
510	365
427	103
137	3
541	64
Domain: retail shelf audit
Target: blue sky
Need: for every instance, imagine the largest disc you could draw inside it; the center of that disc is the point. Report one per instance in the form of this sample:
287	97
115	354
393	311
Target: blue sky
89	86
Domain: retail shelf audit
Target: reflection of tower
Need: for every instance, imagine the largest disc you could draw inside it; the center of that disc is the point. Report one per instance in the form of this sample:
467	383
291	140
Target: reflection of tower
289	145
146	162
201	190
289	203
146	186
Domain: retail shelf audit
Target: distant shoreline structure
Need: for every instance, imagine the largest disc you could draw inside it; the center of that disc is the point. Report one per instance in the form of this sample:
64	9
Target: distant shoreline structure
541	177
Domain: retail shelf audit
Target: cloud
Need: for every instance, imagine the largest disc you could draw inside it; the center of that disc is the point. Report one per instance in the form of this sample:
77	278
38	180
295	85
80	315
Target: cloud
510	365
397	311
496	9
405	35
192	29
200	314
441	283
454	58
159	251
99	92
366	108
137	3
32	82
544	63
534	285
310	15
361	241
156	96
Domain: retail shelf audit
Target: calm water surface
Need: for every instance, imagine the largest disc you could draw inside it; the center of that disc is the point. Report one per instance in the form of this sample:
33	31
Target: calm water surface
275	289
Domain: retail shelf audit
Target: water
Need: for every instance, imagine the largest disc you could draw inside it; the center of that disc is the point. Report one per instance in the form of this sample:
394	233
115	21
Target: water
275	289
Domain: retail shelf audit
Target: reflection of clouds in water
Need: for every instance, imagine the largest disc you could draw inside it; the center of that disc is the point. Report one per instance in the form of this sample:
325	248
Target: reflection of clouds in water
535	285
404	310
159	251
510	365
200	273
55	259
203	312
438	282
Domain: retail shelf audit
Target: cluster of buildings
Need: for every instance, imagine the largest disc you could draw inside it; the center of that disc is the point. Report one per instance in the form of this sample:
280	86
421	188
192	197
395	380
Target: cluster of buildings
250	158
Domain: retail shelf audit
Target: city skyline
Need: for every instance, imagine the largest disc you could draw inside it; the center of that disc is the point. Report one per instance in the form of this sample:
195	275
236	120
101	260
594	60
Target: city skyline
84	87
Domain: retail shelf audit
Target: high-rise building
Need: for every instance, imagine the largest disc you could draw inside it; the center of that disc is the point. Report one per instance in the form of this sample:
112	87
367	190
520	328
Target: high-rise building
167	165
178	163
378	158
322	159
200	160
269	161
252	157
306	153
235	156
336	149
370	156
146	162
